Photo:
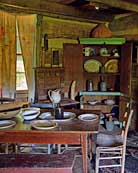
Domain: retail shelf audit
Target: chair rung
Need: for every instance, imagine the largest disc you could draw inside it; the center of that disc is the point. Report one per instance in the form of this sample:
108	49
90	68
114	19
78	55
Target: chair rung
106	158
109	166
107	152
110	149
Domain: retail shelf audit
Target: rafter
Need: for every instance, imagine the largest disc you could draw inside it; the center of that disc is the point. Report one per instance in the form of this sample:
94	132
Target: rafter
118	4
55	9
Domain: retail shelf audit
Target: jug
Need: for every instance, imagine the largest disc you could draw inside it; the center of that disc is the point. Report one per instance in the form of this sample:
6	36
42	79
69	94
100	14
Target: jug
55	96
89	85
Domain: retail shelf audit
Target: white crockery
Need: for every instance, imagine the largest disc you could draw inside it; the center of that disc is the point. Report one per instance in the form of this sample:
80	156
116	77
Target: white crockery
88	117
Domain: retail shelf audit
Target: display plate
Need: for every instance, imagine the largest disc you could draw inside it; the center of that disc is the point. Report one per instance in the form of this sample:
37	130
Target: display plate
112	66
92	66
43	124
88	117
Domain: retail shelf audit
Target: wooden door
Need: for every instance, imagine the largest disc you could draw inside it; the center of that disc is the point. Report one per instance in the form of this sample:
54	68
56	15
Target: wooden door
73	66
125	69
125	77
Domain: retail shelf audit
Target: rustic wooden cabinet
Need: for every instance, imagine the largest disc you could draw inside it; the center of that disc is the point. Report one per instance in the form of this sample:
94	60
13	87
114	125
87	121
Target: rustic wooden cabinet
116	63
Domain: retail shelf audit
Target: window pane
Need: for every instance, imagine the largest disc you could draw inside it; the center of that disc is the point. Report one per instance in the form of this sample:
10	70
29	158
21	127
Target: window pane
21	81
18	47
20	64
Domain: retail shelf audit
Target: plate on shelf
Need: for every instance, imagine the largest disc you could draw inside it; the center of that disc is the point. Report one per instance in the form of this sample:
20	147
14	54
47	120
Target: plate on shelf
48	116
43	124
92	65
4	124
112	66
88	117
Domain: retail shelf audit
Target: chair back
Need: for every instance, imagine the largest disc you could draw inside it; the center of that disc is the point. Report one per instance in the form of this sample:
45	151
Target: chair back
126	123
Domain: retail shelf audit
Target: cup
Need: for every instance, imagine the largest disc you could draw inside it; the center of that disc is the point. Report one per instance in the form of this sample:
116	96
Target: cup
87	51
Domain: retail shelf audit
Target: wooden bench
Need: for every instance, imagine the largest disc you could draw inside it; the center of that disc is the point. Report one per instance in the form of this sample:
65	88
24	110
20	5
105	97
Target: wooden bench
37	163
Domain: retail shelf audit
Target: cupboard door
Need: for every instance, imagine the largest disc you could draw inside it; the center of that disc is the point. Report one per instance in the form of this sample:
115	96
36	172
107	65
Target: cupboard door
73	65
125	69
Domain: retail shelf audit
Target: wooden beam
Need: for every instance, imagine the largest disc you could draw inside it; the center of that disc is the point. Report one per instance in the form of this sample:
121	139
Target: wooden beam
118	4
55	10
126	25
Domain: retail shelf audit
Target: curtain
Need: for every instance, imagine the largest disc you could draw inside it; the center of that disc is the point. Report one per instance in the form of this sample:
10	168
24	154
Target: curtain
7	54
27	35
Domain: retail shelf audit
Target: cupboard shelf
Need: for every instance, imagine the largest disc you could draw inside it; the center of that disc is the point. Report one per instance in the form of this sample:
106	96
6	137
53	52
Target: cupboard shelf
99	57
102	74
109	41
100	93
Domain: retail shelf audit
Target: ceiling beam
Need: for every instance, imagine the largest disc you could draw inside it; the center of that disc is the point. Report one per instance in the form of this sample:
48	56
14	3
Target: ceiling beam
118	4
56	10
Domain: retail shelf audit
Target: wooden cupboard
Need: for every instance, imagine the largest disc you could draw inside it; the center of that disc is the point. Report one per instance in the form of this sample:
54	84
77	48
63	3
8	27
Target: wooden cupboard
117	74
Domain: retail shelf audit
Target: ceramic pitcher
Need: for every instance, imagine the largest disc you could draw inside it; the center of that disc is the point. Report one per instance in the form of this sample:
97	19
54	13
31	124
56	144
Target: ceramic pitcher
55	96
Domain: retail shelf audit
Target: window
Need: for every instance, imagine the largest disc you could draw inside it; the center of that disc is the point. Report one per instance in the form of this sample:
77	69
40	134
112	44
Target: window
21	83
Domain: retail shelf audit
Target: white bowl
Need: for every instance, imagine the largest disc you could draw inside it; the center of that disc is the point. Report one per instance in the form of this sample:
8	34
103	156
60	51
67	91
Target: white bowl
31	117
30	113
93	102
109	102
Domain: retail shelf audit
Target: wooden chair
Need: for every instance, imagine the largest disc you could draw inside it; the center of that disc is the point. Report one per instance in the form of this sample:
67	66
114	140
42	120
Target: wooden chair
117	150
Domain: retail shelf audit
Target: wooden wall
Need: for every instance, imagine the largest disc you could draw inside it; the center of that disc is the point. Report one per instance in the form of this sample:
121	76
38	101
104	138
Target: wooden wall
60	31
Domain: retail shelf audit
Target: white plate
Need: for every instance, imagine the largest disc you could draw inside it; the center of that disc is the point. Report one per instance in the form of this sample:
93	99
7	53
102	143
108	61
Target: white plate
43	124
88	117
4	124
9	114
30	111
48	116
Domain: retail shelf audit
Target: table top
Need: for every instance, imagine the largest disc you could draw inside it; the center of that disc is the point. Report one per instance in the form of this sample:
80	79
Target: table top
70	126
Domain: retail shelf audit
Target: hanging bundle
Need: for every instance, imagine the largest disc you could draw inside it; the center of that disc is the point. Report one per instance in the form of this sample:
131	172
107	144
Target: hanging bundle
101	31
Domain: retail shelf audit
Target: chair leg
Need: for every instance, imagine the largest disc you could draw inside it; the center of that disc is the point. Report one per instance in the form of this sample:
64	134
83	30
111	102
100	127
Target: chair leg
97	162
123	162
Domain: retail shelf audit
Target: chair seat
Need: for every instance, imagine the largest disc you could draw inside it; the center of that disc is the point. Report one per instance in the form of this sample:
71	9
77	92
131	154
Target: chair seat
107	140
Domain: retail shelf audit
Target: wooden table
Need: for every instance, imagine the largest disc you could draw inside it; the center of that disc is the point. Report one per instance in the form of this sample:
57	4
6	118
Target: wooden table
69	132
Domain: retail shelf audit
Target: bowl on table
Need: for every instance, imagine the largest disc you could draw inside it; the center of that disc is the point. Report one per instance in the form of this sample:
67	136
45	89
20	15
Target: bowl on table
30	113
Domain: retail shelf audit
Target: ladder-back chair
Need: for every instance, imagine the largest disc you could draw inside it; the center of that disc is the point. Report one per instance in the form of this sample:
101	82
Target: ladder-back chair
117	151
